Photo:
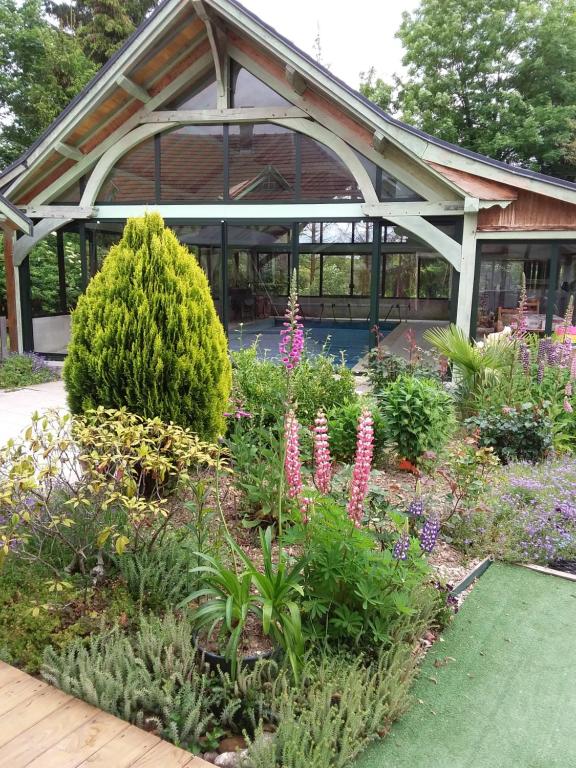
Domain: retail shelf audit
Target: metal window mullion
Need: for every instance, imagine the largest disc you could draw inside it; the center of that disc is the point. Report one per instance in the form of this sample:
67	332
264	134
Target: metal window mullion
298	167
224	275
83	255
375	271
61	271
552	286
157	169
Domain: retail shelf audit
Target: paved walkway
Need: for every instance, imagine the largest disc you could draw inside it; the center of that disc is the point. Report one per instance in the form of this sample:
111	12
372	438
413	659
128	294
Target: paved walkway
499	691
42	727
17	406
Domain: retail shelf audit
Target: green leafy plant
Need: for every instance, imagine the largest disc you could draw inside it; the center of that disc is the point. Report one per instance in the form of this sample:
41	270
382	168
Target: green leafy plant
342	428
521	433
418	416
354	589
227	599
475	364
72	489
146	335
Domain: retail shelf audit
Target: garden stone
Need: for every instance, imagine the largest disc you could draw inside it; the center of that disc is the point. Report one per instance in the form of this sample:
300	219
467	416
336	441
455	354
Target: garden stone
209	757
229	760
231	744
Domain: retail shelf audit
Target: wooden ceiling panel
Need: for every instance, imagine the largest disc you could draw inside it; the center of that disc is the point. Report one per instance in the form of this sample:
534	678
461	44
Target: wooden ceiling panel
530	212
196	53
167	52
110	126
99	116
54	166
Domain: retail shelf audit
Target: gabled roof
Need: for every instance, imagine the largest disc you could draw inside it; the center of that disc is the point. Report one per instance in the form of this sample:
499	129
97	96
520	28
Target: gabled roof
173	38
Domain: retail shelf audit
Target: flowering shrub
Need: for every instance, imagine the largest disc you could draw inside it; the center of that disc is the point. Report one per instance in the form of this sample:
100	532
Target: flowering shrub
84	484
530	515
25	370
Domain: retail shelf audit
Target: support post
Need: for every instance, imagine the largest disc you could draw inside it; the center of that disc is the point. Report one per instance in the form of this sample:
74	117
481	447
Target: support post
12	316
224	275
467	271
375	270
63	302
295	265
83	255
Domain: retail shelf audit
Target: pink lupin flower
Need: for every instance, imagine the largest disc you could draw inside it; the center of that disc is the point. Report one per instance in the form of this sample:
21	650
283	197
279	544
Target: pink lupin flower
292	335
568	405
568	389
292	463
362	467
573	367
322	460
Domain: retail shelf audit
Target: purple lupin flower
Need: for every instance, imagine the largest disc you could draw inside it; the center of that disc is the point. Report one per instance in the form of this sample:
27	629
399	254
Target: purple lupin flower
525	357
400	551
416	508
541	366
429	534
544	350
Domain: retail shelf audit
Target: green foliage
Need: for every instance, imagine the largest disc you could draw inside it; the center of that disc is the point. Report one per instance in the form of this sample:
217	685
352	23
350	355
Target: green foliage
256	455
354	591
418	415
383	368
376	89
151	678
41	69
232	597
70	490
36	610
495	89
260	386
515	433
146	335
24	370
342	430
342	703
468	472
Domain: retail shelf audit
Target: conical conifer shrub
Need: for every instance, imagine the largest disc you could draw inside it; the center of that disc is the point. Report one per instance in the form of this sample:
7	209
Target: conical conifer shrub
146	335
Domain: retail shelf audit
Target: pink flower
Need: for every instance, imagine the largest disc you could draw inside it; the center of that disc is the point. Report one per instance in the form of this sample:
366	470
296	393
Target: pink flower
322	461
573	367
292	335
362	467
292	464
567	405
304	504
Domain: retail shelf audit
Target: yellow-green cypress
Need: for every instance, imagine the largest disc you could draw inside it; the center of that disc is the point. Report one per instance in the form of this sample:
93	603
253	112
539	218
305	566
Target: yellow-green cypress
146	335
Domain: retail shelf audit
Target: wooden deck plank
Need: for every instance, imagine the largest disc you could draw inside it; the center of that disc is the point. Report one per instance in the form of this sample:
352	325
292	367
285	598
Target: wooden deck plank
43	727
166	754
30	712
122	751
74	748
36	740
19	690
8	674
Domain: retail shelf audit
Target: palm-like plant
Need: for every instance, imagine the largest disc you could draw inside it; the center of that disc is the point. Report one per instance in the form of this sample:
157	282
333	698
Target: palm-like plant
475	364
228	598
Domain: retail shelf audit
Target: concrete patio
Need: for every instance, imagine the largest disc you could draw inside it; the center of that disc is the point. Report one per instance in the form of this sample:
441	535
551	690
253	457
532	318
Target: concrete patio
18	405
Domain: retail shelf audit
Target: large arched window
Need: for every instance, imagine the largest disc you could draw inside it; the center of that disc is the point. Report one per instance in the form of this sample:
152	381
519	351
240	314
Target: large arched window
245	163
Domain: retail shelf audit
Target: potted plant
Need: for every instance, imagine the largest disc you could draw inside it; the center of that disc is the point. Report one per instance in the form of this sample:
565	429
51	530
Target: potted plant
233	603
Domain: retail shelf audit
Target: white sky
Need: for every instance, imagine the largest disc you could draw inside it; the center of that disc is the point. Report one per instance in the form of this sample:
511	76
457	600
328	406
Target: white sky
354	36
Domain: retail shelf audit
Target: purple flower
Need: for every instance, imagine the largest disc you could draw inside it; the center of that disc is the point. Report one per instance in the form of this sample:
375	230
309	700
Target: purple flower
429	534
525	357
400	551
416	508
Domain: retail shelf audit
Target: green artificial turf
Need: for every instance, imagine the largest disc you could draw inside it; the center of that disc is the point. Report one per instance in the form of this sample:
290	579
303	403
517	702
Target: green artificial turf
500	691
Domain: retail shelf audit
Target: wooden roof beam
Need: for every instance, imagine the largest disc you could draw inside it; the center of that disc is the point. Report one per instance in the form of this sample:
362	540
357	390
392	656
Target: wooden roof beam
133	89
380	142
72	153
219	47
240	115
295	80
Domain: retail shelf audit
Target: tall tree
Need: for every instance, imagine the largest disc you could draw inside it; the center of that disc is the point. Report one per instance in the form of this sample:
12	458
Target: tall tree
498	78
376	89
101	26
41	69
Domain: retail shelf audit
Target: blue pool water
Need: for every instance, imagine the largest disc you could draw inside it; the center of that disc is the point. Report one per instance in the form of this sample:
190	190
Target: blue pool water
348	338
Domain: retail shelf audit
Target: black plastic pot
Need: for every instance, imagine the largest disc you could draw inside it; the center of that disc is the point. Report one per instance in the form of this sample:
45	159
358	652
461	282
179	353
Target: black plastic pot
215	660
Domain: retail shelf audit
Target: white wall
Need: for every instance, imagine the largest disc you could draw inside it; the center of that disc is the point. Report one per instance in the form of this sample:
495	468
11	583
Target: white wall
51	334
